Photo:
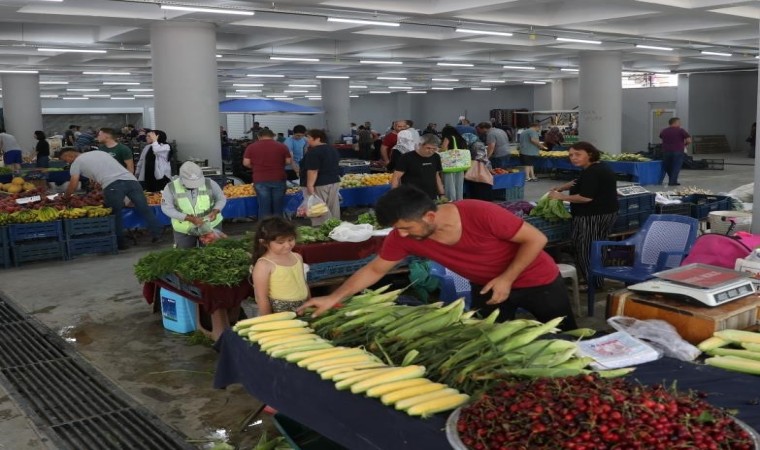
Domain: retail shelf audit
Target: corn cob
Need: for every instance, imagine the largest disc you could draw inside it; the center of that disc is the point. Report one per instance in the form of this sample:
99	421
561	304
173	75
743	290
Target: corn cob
369	293
430	407
331	356
411	401
739	336
396	374
576	363
274	340
330	374
712	343
614	373
370	309
278	325
410	357
366	357
547	372
428	321
751	347
347	365
552	359
284	352
245	323
396	396
735	363
255	336
581	332
298	356
435	324
528	336
379	391
362	375
734	352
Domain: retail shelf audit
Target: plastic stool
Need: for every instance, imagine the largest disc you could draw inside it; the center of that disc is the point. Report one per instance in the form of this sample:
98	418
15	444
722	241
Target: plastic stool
568	271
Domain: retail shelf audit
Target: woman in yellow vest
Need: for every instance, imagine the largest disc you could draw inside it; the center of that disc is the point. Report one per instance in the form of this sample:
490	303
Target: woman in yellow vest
193	203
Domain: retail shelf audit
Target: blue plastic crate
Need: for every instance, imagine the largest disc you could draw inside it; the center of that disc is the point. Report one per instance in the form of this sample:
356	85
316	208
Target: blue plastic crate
5	257
85	226
554	231
333	269
679	209
31	231
37	251
636	203
191	289
630	222
91	245
3	236
509	194
172	280
702	205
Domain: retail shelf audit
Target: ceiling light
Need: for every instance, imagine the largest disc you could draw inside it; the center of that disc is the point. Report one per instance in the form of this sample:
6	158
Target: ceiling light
234	96
314	98
69	50
569	69
452	80
442	88
247	90
534	82
406	88
379	92
299	85
54	82
363	22
654	47
416	92
97	95
492	81
276	96
332	77
494	33
140	90
19	71
106	73
580	41
480	89
264	75
82	90
357	86
75	98
372	61
247	85
715	53
445	64
122	98
48	96
353	96
392	78
292	58
143	95
208	10
519	67
294	91
120	83
284	98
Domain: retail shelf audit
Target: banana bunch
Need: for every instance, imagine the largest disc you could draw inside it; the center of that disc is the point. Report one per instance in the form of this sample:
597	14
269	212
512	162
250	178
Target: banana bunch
281	335
97	211
5	219
73	213
47	214
24	216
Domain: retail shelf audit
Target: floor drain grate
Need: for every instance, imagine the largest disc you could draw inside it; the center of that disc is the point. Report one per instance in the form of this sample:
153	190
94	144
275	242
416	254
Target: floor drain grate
65	396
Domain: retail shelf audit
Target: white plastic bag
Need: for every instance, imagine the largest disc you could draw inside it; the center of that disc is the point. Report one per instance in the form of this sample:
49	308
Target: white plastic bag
658	333
350	232
312	206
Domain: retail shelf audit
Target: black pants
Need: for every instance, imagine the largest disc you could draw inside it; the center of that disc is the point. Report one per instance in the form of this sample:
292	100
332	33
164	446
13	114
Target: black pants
479	191
544	302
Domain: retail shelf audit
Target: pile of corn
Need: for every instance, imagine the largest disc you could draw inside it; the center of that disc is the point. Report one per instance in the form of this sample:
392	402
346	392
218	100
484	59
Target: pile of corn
240	190
733	350
365	179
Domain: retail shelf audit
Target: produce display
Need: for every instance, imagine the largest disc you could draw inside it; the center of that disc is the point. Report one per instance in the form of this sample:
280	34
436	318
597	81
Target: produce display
624	157
589	412
689	190
308	235
734	350
500	171
550	209
5	170
47	210
353	180
18	185
214	264
230	191
553	153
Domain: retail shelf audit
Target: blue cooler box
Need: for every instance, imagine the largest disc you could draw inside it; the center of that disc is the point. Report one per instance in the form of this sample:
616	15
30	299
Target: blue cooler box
179	312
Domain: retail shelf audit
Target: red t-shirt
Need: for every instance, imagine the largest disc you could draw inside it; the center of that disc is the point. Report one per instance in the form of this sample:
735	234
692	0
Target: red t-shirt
484	250
390	140
267	160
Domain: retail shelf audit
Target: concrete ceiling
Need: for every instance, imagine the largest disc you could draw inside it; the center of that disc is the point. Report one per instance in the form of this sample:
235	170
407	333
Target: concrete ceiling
426	36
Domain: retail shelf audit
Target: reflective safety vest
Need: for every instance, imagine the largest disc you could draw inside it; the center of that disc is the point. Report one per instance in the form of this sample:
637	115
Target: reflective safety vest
203	205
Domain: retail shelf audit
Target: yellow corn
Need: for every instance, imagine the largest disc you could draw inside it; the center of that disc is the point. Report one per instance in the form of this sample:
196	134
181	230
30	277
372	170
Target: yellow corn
365	357
401	373
331	373
282	352
298	356
379	391
735	363
331	356
712	343
395	396
299	338
361	375
245	323
751	347
733	352
739	336
278	325
255	336
274	340
411	401
428	408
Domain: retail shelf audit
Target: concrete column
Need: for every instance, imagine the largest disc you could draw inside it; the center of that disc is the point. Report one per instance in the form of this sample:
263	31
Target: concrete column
682	100
185	87
335	102
22	108
601	100
558	93
756	193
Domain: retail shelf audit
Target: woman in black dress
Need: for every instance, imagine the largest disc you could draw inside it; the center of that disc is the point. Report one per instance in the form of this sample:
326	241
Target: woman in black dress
43	149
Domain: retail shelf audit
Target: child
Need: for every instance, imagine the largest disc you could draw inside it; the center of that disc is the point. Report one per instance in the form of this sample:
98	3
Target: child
279	281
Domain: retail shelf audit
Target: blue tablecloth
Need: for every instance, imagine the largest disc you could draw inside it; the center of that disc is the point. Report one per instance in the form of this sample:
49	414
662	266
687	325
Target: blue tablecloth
359	422
644	173
509	180
362	196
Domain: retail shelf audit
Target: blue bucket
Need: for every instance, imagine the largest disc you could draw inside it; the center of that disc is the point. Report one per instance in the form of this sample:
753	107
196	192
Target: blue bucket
178	312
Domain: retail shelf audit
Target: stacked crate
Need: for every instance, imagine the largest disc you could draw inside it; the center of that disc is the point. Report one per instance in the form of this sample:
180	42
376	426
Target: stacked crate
36	241
633	211
5	253
90	236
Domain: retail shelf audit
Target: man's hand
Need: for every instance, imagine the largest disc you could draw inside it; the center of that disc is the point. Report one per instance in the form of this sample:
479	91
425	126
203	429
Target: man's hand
197	221
212	215
556	195
500	288
321	303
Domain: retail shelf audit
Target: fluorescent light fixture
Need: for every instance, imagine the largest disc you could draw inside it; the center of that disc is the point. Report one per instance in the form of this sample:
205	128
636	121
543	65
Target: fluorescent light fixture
264	75
569	69
715	53
20	71
247	90
140	90
416	92
363	22
54	82
392	78
534	82
357	86
97	95
75	98
332	77
82	90
450	80
492	81
373	61
299	85
313	98
143	95
580	41
208	10
235	96
480	89
106	73
219	56
69	50
121	83
294	91
276	96
445	64
292	58
247	85
353	96
493	33
284	98
403	88
654	47
519	67
379	92
314	95
442	88
48	96
122	98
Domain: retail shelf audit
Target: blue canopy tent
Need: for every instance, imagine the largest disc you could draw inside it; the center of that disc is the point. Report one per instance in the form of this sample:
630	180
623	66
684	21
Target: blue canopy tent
264	106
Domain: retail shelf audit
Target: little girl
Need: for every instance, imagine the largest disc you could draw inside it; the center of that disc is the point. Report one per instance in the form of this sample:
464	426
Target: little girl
279	281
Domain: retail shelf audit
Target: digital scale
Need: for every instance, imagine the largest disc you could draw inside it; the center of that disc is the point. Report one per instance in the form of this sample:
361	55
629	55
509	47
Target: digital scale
625	191
707	285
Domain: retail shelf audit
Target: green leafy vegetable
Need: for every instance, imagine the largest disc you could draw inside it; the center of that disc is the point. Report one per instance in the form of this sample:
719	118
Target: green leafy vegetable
550	209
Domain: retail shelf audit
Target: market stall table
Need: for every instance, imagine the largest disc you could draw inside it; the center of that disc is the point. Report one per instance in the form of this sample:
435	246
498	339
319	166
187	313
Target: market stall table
355	421
346	150
644	172
509	180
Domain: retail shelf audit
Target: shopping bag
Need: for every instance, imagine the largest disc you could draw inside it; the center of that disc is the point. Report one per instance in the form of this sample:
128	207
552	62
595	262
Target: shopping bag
349	232
455	160
313	206
479	173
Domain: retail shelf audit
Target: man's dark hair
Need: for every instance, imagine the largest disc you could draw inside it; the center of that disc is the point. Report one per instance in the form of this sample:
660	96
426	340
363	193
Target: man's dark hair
73	127
673	120
409	122
299	129
108	131
403	203
316	133
265	132
66	150
160	136
484	125
594	154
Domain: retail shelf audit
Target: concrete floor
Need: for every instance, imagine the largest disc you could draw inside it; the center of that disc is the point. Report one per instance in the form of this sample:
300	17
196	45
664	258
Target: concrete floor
96	303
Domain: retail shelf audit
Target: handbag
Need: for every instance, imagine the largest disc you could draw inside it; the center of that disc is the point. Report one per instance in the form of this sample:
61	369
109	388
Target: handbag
479	173
455	160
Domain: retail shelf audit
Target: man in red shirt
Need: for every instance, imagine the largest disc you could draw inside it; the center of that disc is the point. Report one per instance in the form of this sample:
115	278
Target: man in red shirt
390	140
501	255
267	158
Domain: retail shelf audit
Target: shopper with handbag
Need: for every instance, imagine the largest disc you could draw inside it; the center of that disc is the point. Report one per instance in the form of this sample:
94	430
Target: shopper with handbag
453	175
478	178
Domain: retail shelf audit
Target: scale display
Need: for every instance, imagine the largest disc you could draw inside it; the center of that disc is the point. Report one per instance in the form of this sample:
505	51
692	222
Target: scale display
708	285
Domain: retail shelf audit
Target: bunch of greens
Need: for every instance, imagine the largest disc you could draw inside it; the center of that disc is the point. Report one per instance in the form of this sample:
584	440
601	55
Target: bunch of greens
211	265
329	225
309	235
367	218
550	209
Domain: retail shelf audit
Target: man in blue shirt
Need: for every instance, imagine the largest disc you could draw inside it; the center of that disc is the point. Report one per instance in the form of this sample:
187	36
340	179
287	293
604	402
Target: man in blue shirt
296	144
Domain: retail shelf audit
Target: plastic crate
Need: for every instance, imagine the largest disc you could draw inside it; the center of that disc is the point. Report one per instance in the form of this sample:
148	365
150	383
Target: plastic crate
30	231
554	231
679	209
191	289
91	245
172	280
636	203
509	194
5	257
630	222
702	205
332	269
37	251
3	237
301	437
94	225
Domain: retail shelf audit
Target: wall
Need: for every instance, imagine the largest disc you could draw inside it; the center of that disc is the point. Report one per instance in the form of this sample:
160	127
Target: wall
637	104
571	93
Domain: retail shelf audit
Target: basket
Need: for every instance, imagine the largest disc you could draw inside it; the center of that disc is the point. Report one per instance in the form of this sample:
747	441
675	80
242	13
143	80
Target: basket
630	222
679	209
333	269
509	194
720	221
30	231
37	251
91	245
94	225
554	231
702	205
636	203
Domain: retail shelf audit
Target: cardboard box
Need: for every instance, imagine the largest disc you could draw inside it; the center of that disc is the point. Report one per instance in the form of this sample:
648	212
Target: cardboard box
693	322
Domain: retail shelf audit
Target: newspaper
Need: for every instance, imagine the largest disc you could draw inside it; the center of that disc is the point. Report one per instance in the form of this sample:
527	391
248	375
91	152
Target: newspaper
617	350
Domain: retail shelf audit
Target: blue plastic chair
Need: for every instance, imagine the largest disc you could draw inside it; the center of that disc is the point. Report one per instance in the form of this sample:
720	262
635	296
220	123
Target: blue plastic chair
452	285
663	241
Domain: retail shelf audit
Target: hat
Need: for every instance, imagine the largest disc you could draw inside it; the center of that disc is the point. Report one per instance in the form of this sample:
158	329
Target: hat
191	175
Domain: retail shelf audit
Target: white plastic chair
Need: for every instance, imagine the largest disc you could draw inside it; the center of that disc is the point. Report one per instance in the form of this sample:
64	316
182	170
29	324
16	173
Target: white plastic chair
568	271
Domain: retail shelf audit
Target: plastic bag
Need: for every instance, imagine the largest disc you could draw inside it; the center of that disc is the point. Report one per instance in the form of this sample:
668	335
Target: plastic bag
658	333
211	236
349	232
312	206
